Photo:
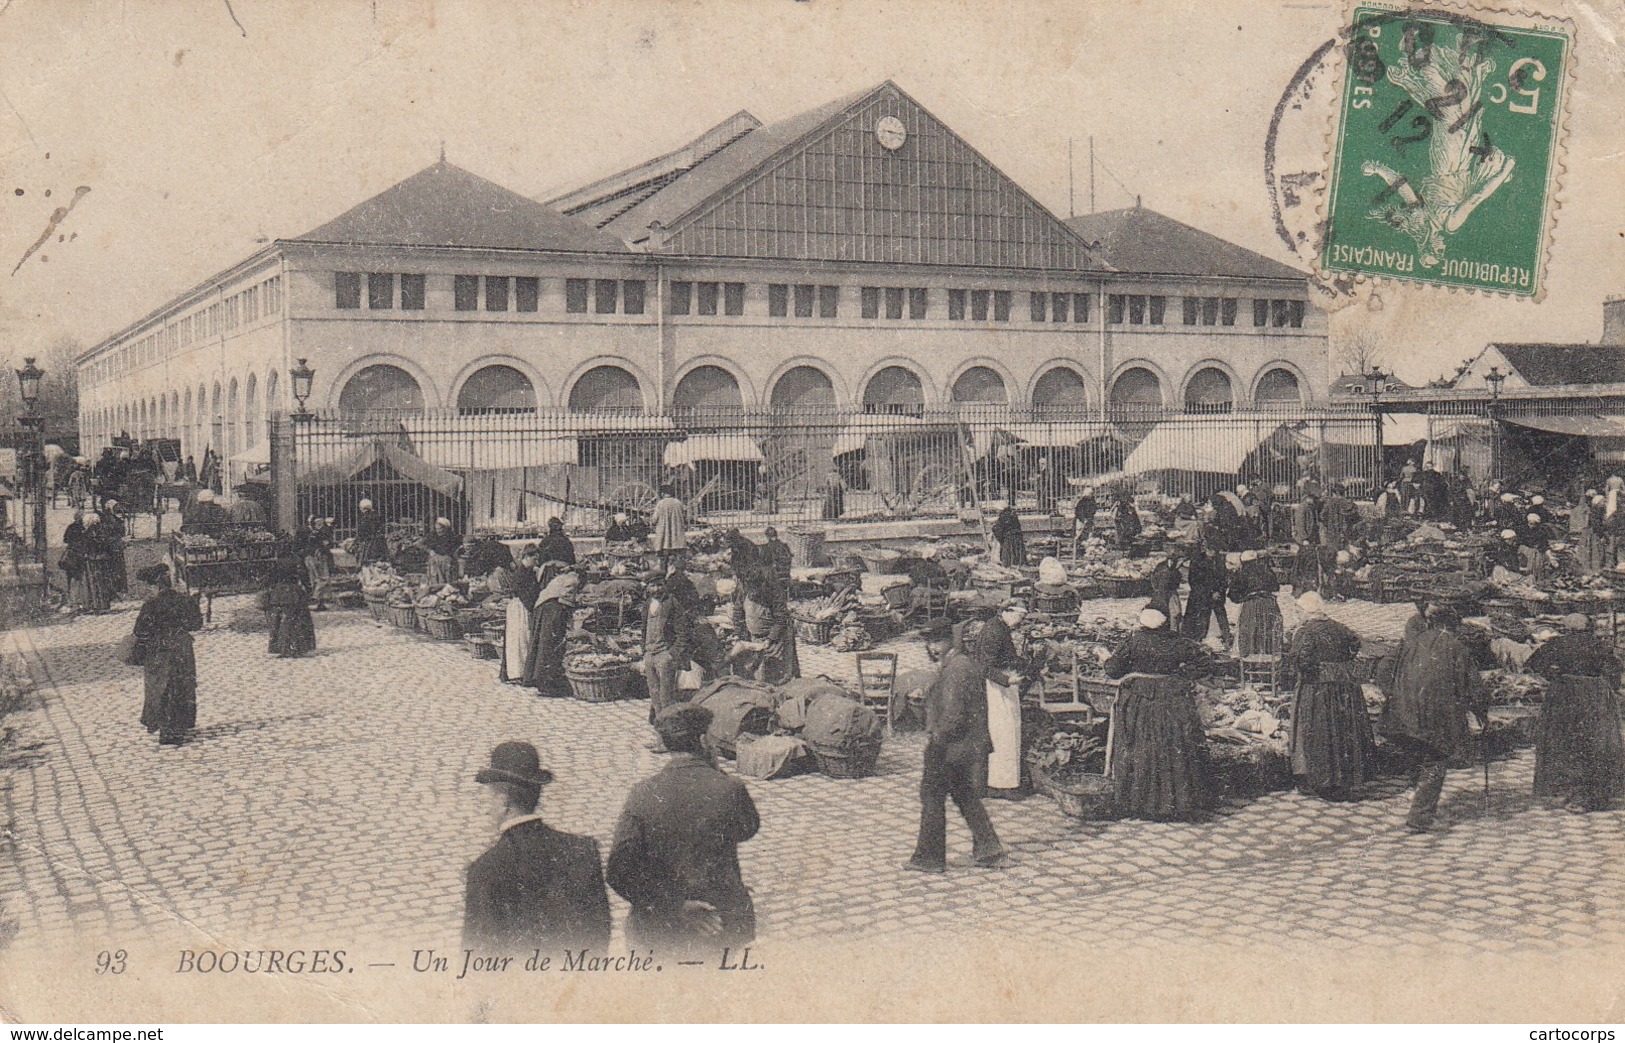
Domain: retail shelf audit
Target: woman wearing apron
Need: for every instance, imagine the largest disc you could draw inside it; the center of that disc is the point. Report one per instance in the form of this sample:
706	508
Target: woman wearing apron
996	651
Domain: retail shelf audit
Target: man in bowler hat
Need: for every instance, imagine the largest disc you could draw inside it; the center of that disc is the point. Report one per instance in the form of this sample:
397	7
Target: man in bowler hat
536	888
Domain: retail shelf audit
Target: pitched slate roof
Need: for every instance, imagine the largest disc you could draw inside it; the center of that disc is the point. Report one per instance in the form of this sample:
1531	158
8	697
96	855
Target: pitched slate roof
445	205
1556	365
1143	241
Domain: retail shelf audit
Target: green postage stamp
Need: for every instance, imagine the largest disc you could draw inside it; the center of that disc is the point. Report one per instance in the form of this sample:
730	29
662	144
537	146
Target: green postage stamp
1446	161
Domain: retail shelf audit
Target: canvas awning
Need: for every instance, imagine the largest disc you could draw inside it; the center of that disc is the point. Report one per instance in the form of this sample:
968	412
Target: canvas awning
1582	426
1219	446
1059	434
1397	429
712	446
258	454
489	451
864	426
403	463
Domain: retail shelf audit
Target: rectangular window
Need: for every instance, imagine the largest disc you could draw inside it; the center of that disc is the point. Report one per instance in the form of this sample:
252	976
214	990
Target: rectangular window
708	298
1001	305
894	302
606	293
1190	311
1080	307
380	291
632	291
956	304
1278	313
1158	306
575	296
682	296
1210	311
1136	309
496	293
465	292
527	291
1058	303
978	305
1114	308
871	302
346	289
917	303
733	298
1295	311
829	302
1261	313
1227	311
804	300
1038	307
778	300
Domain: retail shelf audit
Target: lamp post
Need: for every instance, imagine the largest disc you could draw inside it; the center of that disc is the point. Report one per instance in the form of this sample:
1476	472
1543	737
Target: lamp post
28	385
1494	379
1376	383
302	377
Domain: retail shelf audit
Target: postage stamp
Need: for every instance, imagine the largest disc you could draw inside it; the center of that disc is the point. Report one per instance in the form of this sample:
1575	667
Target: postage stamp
1447	155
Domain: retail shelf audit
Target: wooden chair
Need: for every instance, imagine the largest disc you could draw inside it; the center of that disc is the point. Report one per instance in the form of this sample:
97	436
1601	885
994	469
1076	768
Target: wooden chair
1071	694
935	605
1262	672
878	684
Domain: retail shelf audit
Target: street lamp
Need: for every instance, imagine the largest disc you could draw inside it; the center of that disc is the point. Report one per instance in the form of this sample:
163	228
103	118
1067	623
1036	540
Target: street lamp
303	377
28	386
1494	379
1377	380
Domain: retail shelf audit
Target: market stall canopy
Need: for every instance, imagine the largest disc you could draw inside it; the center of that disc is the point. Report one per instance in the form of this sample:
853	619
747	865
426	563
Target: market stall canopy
714	446
855	436
403	463
1058	434
259	454
1397	429
1581	426
504	441
491	452
1215	445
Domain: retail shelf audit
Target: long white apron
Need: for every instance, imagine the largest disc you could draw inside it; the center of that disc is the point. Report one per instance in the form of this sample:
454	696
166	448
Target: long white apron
516	640
1004	726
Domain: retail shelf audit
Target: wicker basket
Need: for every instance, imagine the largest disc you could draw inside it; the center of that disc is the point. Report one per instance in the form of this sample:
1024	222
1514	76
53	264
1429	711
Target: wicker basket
816	631
1115	587
482	646
849	762
378	608
442	626
472	619
403	616
597	684
1082	797
1055	604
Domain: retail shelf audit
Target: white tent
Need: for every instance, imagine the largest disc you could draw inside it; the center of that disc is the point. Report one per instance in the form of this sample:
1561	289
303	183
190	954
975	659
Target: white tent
712	446
1218	445
856	434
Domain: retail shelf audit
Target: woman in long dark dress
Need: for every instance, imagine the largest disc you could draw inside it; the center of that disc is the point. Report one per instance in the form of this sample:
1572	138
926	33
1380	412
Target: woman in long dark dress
163	647
1579	753
370	542
98	564
1158	752
1012	541
287	609
1258	628
1332	751
549	630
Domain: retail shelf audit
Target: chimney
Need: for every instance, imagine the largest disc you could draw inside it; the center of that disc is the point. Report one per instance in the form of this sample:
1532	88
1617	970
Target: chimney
1613	321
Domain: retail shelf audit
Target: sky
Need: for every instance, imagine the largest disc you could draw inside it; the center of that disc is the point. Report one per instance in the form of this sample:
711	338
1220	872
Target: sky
203	128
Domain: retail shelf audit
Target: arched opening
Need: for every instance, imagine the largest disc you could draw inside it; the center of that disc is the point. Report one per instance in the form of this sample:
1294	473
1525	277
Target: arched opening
1137	388
497	389
381	388
177	428
251	413
980	385
606	389
708	389
1060	390
1279	385
271	404
1209	391
803	388
894	390
233	420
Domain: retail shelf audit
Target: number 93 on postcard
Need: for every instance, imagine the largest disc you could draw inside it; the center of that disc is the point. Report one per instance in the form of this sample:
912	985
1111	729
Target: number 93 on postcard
1447	156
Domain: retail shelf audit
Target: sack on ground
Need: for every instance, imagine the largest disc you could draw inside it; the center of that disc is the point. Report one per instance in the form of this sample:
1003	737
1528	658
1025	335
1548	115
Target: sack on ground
771	756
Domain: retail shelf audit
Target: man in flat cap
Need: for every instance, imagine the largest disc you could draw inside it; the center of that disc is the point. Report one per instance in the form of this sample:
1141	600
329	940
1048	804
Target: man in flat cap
676	852
536	888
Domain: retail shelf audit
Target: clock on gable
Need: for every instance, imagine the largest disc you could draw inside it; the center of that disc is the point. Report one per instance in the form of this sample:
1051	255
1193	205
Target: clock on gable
891	133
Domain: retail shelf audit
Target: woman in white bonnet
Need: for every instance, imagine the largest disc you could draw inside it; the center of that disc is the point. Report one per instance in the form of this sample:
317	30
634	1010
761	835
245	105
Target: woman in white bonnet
1333	755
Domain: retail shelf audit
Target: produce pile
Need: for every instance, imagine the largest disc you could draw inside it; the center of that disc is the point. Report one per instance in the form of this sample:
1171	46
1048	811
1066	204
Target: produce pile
1511	689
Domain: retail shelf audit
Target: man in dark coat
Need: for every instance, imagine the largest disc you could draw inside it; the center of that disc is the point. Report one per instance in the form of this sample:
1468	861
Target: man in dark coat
956	749
1436	684
675	858
1208	580
1579	754
204	516
536	888
556	546
775	554
1126	520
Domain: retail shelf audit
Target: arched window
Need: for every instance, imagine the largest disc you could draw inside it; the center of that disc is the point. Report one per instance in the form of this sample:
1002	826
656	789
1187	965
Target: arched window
272	406
708	389
606	389
251	412
234	419
894	390
1279	385
803	388
982	386
1060	390
381	388
1209	391
497	389
176	428
1137	388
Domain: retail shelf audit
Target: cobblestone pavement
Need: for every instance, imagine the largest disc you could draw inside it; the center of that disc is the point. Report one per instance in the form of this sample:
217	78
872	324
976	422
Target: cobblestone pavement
332	797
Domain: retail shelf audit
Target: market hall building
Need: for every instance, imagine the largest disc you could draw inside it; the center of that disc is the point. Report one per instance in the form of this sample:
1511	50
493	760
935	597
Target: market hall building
858	257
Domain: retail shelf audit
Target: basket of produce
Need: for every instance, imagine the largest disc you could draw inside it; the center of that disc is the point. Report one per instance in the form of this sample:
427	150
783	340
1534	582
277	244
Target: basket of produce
882	561
596	677
816	631
496	633
854	761
475	617
482	646
404	616
1055	603
1068	767
440	625
1123	587
806	546
377	606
